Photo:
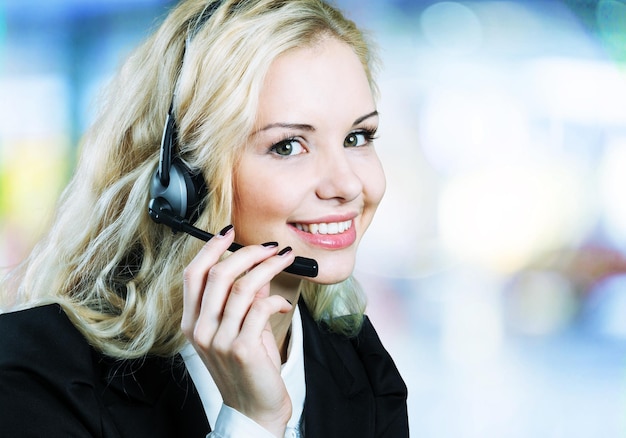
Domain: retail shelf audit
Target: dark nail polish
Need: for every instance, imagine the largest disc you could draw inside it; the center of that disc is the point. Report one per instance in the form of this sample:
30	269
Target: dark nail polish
290	303
285	250
226	230
270	244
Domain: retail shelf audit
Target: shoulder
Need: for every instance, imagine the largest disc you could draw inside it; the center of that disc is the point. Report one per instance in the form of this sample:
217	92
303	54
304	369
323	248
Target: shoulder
42	350
43	315
40	335
352	378
368	339
55	384
361	358
377	360
47	375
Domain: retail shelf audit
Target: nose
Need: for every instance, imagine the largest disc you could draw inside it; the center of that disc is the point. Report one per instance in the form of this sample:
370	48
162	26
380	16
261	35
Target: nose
339	177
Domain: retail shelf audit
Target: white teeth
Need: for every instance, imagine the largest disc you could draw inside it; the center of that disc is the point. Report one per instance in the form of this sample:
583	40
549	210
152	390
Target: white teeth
325	228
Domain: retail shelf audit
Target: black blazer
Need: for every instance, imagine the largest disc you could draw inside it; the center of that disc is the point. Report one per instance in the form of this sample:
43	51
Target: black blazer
53	384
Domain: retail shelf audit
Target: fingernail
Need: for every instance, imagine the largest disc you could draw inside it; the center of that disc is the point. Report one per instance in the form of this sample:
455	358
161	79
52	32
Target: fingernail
290	303
270	244
285	250
226	230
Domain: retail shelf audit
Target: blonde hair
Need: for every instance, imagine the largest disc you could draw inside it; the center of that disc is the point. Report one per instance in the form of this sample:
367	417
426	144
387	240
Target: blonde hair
117	274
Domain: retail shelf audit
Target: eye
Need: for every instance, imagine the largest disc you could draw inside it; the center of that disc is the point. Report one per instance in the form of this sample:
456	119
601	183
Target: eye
288	147
359	138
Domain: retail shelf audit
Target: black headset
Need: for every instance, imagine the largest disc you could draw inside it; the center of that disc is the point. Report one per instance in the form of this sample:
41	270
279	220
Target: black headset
182	191
178	194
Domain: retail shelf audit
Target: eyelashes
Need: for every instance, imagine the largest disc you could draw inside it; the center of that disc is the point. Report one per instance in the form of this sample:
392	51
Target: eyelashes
369	134
287	147
296	145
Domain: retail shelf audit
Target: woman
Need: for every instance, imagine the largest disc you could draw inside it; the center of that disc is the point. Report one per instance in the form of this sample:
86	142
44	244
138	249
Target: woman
121	327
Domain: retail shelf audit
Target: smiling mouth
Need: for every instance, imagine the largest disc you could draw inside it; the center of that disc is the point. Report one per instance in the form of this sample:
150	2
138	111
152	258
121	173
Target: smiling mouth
325	228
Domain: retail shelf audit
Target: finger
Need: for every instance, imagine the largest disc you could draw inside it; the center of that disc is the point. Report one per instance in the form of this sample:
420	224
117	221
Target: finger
222	278
195	276
229	277
255	339
247	288
256	321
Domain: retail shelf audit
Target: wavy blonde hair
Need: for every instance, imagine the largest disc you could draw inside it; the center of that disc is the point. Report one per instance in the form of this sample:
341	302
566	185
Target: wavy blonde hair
117	274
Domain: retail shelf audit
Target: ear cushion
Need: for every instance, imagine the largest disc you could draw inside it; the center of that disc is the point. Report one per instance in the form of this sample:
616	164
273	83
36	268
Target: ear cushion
185	192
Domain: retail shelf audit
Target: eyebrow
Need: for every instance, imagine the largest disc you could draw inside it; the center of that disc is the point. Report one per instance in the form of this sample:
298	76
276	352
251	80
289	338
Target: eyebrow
305	127
365	117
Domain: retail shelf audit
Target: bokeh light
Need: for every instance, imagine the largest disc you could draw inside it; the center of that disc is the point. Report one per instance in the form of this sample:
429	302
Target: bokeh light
504	216
612	172
611	20
495	265
3	30
464	130
452	27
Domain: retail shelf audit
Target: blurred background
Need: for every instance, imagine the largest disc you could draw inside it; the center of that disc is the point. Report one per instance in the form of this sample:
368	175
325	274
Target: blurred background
496	267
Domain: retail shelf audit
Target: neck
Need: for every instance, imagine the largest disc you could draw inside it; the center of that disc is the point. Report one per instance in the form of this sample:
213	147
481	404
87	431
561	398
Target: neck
287	287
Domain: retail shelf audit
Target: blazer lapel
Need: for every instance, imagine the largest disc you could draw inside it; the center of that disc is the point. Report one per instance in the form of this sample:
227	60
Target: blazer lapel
339	401
390	391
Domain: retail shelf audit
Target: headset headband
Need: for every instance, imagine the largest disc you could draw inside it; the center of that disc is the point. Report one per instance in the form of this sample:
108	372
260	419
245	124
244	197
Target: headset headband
170	133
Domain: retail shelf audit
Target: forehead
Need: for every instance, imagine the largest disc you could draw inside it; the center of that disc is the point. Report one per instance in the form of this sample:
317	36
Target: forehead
326	78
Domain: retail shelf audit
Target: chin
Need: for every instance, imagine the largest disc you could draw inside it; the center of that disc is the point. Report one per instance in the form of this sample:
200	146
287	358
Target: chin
331	274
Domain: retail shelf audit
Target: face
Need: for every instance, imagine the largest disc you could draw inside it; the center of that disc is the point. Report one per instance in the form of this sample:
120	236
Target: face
310	177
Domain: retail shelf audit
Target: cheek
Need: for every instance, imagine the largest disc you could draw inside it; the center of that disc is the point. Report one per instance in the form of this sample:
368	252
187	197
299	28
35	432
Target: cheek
375	184
250	202
263	198
260	203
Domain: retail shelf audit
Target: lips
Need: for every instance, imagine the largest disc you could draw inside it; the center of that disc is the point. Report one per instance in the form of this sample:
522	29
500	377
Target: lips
327	235
325	227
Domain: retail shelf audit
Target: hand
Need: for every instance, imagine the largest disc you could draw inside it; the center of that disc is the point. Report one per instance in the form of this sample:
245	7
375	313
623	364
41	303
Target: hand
226	314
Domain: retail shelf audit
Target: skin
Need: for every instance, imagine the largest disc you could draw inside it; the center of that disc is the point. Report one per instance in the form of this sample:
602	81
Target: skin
309	160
